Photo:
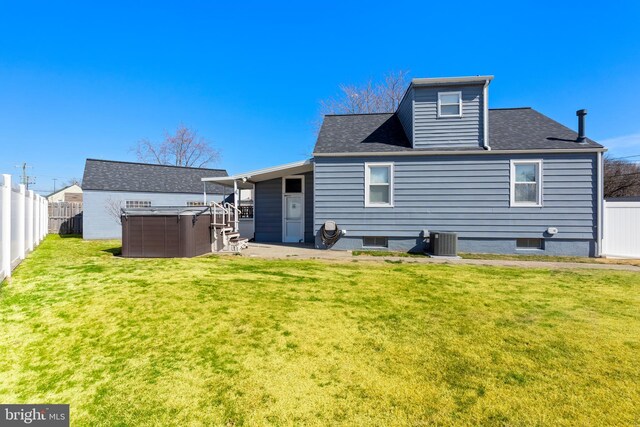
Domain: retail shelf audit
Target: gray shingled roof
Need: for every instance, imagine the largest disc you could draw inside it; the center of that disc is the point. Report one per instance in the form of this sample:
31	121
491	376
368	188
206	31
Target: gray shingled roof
109	175
361	132
509	129
528	129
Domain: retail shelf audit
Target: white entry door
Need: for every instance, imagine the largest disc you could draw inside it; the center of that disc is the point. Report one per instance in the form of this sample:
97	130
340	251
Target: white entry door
293	218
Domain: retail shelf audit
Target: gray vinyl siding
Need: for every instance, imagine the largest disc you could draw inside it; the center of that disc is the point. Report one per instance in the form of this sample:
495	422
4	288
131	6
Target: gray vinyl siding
268	210
469	195
309	235
99	223
405	114
430	131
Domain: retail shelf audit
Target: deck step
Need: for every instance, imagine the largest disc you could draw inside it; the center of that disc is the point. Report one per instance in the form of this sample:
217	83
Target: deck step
238	244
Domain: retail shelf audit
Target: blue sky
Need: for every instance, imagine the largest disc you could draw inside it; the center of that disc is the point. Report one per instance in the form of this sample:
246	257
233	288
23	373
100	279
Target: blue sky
84	79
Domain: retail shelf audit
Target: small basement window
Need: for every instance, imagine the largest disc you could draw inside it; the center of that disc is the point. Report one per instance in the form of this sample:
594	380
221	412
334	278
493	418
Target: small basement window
375	242
137	204
195	203
449	104
530	244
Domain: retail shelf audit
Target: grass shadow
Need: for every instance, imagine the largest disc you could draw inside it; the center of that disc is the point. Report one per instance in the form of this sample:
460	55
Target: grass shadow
117	251
70	236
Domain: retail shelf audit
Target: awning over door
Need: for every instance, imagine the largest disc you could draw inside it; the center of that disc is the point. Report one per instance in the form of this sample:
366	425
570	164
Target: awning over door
247	179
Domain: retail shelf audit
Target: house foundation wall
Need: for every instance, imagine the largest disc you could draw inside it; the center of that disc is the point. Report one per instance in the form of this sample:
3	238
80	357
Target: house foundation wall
556	247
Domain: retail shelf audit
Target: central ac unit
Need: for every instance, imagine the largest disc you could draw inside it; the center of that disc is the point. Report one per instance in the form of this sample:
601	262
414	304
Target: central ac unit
443	243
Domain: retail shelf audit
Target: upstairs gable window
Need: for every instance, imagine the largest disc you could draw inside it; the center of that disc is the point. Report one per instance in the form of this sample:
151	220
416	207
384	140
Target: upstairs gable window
449	104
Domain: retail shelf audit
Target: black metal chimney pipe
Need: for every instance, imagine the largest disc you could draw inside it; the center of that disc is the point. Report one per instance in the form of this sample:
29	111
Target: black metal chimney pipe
581	129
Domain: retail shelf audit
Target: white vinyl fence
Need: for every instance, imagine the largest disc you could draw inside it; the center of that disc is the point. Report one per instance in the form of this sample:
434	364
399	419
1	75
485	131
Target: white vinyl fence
621	229
23	223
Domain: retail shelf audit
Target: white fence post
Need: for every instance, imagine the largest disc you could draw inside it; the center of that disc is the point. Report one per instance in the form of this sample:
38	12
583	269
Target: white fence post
603	249
29	221
40	219
5	218
21	222
41	216
36	221
45	218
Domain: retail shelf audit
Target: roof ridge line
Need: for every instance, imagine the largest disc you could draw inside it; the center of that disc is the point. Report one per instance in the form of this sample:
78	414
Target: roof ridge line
357	114
153	164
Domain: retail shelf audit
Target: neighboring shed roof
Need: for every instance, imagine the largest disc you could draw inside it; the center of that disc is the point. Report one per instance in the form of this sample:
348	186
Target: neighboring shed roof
63	189
509	129
109	175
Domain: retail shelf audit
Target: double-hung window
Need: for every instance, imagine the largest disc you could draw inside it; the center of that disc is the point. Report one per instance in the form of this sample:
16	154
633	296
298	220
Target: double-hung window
449	104
526	183
378	184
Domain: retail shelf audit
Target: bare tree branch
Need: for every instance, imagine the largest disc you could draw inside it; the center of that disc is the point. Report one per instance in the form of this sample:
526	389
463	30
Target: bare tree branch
71	181
371	97
184	148
621	178
114	209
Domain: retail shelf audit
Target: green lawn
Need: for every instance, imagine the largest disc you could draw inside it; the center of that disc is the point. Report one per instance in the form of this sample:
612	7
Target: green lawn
243	341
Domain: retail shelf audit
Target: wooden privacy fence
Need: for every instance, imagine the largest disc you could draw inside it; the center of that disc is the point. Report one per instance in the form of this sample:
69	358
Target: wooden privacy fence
65	218
23	223
621	237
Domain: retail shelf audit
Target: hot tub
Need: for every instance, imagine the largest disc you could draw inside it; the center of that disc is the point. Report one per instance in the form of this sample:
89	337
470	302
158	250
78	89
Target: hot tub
166	232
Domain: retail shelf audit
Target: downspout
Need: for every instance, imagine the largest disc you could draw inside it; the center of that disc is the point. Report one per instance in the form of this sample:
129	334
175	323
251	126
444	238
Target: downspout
236	204
485	136
600	192
204	192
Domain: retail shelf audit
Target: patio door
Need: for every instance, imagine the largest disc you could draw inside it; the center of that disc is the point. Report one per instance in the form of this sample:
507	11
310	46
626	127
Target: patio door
293	209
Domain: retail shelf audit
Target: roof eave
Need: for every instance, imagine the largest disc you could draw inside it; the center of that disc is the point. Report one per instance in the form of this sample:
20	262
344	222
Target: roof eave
451	81
259	174
462	152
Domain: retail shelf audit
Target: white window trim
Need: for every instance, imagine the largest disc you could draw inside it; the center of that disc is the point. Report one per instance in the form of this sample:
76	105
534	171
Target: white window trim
367	178
512	178
445	116
284	205
147	204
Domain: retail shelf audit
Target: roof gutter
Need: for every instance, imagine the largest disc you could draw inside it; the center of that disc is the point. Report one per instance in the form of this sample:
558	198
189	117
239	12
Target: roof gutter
459	153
